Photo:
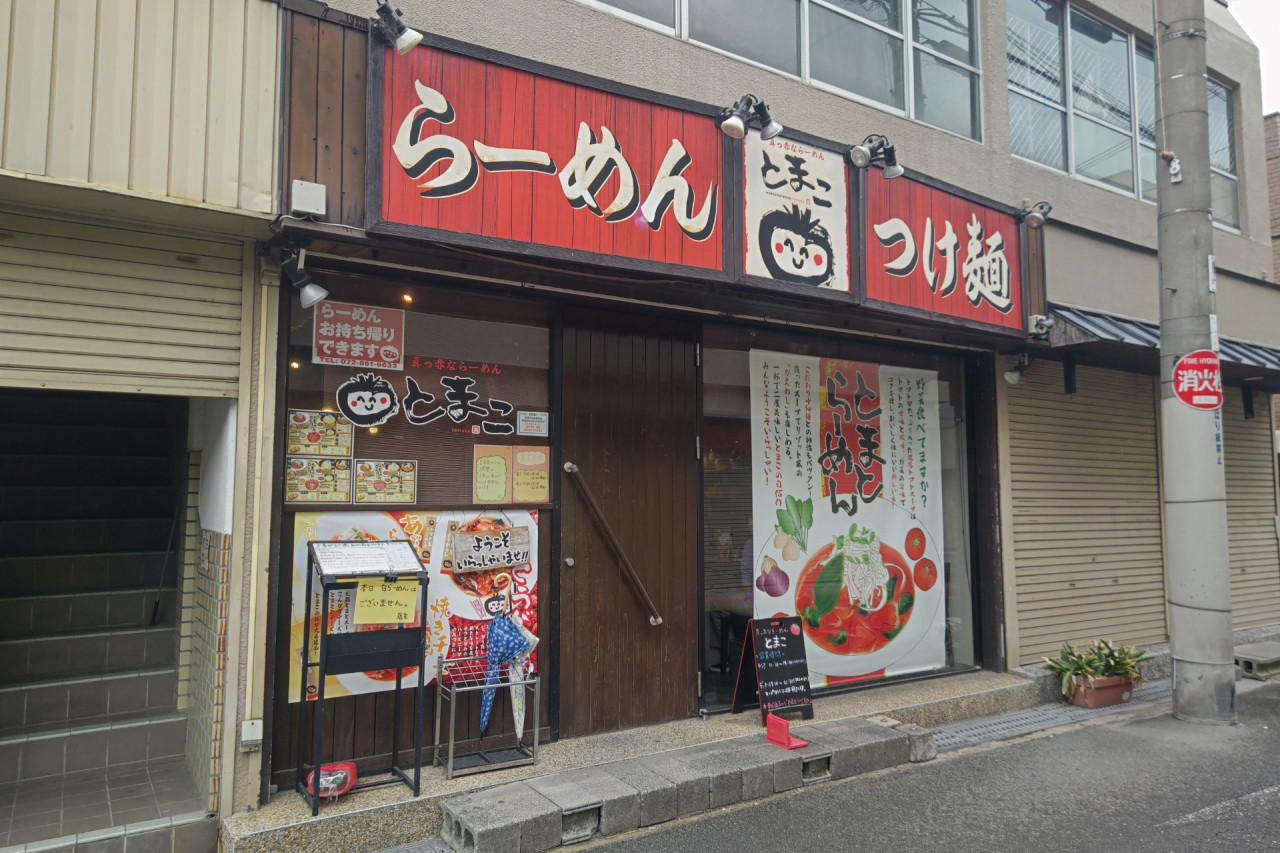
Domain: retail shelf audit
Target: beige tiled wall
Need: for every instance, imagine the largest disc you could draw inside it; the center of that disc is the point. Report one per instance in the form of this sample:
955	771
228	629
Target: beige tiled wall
206	685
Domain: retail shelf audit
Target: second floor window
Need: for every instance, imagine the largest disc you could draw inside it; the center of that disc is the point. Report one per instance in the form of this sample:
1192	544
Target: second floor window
916	57
1082	99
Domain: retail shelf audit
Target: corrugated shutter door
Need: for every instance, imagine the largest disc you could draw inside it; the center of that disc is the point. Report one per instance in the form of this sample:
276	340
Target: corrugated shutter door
1086	509
1251	511
93	307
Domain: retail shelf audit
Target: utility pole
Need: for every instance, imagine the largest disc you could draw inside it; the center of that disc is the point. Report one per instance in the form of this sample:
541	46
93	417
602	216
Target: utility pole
1198	582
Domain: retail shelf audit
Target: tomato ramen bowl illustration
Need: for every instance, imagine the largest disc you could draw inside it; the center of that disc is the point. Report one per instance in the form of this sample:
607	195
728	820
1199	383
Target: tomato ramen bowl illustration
856	599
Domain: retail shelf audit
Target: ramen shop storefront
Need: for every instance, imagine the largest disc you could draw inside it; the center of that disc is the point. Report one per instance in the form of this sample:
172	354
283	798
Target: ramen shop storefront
675	355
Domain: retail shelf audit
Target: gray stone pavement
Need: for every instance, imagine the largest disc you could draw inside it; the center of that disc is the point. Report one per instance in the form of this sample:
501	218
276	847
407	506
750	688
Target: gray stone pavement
1134	780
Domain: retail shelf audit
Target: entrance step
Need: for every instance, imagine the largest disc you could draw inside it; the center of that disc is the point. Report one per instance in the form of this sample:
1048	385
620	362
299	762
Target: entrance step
82	610
1259	660
150	806
63	573
24	659
52	749
569	807
34	538
69	700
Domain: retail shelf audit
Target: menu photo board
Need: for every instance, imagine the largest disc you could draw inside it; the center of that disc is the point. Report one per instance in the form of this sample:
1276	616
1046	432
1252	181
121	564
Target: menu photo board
774	669
319	433
388	481
317	480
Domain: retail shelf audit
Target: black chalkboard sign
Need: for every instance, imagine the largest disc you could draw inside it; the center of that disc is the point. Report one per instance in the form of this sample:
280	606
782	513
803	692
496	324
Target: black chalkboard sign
773	670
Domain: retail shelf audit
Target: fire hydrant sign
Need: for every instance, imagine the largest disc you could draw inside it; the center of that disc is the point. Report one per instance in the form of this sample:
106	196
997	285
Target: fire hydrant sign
1197	379
350	335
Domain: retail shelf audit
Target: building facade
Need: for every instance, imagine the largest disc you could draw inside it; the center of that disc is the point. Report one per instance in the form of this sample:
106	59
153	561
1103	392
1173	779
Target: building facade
138	173
597	303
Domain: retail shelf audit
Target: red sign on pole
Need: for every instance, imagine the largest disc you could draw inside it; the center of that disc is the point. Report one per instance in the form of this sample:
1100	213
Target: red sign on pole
1197	379
358	336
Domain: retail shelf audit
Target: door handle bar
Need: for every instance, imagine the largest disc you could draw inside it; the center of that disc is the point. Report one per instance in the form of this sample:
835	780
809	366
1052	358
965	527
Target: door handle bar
636	586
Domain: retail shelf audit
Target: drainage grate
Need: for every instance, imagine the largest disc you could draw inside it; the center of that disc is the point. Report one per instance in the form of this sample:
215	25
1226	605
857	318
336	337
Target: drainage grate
1005	726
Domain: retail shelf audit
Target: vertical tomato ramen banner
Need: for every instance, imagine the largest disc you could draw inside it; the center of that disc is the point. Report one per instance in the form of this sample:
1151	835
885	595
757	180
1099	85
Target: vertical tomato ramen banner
847	507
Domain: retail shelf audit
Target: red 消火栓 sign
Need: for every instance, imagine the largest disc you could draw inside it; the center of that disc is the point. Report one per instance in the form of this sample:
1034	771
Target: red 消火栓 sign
483	149
1197	379
941	253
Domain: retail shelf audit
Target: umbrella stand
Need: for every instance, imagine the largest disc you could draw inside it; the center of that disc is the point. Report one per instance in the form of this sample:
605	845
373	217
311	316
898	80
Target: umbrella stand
455	678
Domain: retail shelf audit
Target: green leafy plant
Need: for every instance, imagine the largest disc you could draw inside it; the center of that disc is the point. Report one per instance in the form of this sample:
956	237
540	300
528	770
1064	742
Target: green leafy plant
795	519
1100	659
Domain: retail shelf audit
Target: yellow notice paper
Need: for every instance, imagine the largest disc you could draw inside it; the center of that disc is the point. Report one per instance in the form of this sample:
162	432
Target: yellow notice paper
492	483
380	603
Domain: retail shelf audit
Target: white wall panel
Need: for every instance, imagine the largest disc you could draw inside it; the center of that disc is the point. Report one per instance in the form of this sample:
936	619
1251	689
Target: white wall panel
175	98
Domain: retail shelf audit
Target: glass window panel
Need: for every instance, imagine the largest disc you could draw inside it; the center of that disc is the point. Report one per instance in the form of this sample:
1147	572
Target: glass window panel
1103	154
766	31
1226	199
659	11
1034	47
945	26
886	13
855	57
1147	167
1100	70
1222	153
1145	63
946	95
1037	131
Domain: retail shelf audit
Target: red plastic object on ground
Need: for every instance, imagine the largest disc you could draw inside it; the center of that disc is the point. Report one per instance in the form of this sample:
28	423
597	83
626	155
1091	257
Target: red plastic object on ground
335	779
778	732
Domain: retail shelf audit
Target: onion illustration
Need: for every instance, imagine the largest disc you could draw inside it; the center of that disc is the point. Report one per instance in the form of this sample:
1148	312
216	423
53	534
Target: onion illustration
773	580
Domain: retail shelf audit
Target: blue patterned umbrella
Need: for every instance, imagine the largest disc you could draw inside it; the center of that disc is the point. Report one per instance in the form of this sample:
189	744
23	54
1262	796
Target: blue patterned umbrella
506	643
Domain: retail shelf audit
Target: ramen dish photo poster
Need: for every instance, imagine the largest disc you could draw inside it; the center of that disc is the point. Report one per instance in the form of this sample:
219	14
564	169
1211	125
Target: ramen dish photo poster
480	564
847	512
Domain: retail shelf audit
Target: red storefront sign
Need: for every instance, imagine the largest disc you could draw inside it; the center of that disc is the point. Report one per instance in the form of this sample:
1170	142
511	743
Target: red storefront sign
1197	379
475	147
358	336
938	252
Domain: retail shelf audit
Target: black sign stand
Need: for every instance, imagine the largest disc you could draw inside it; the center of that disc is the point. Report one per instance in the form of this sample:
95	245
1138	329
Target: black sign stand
773	671
393	648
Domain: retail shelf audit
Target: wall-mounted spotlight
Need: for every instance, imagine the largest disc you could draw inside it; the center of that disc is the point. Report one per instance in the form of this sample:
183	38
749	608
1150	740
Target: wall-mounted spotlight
309	293
1035	215
875	149
1014	375
735	120
393	28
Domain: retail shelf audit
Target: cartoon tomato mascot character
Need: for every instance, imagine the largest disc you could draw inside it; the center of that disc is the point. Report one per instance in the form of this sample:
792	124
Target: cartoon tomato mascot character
367	400
795	246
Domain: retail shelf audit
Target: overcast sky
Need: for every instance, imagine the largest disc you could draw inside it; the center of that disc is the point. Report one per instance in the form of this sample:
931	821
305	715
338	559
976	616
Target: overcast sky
1261	20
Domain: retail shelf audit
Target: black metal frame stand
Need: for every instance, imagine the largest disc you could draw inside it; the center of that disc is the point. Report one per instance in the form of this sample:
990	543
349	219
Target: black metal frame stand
393	648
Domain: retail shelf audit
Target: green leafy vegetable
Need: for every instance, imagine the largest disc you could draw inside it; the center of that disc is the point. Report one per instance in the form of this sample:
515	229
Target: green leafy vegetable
795	519
826	589
904	603
811	617
839	638
889	635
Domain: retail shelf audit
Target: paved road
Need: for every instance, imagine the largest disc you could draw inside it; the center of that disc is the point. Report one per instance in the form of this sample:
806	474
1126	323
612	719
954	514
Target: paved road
1137	781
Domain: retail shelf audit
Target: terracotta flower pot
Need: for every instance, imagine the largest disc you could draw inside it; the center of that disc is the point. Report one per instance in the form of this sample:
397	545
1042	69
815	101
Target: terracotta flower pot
1104	691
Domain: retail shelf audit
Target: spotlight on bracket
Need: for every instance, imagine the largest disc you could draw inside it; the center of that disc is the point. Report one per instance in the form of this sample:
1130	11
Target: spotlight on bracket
876	149
1035	215
746	111
309	293
1014	375
393	28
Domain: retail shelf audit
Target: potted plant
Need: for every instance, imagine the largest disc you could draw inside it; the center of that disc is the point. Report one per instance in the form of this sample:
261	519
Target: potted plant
1104	673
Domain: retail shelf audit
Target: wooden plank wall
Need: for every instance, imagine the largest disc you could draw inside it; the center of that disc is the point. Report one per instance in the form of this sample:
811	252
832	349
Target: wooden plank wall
170	97
1250	461
324	127
1087	536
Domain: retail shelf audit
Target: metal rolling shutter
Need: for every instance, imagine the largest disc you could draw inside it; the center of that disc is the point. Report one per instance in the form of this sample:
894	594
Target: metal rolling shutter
1251	511
97	307
1086	509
